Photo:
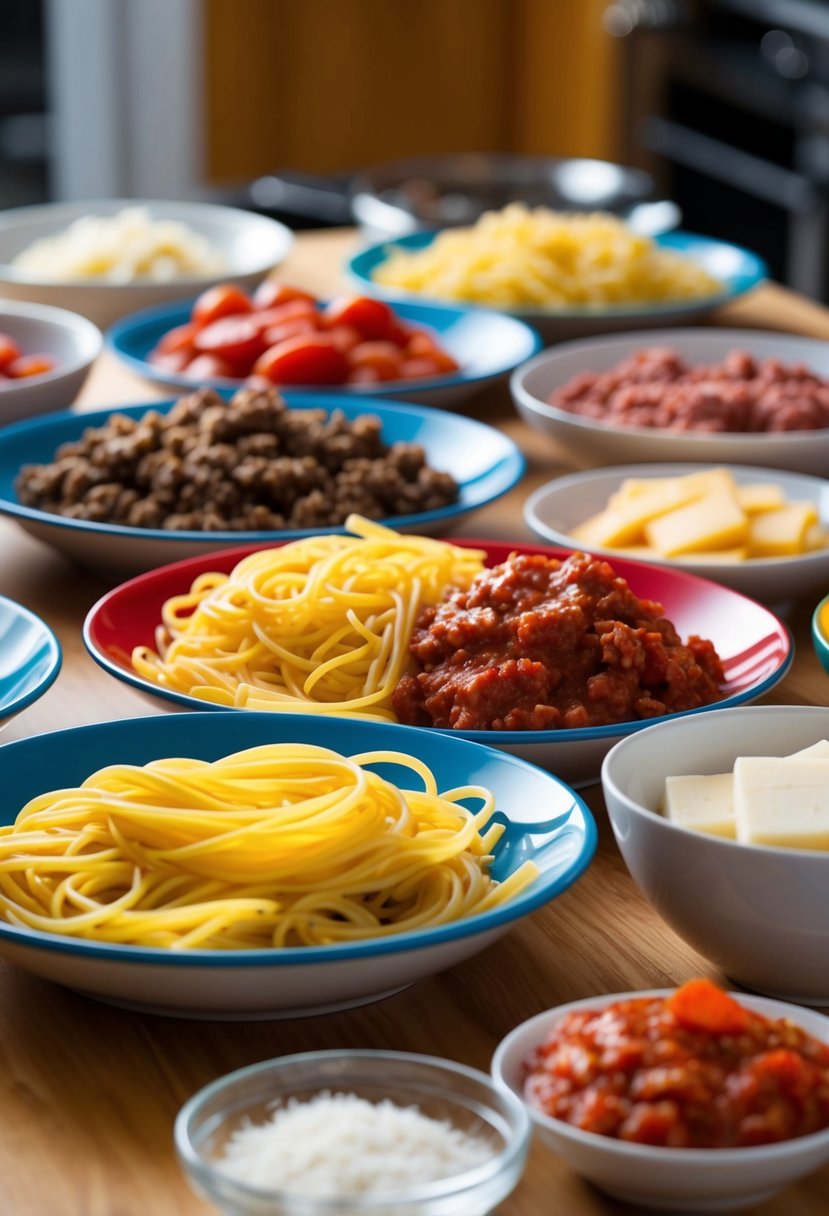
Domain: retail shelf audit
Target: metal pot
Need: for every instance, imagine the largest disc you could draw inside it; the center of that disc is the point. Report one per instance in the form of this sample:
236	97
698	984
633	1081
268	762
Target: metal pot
426	192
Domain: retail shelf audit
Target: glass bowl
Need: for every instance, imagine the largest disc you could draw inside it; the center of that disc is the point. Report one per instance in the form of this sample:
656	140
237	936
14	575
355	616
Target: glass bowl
440	1089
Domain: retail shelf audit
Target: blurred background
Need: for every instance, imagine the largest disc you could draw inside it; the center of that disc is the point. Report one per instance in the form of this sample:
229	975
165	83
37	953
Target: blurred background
274	104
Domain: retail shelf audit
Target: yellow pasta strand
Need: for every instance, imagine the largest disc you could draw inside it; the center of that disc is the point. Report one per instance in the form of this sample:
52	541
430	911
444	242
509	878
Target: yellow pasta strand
315	626
276	846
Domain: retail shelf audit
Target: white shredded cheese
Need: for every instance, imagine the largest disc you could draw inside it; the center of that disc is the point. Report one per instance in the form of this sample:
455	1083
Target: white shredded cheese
120	249
340	1144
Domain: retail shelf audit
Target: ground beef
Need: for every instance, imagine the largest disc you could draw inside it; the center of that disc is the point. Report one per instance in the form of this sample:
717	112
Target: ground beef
248	464
656	388
541	644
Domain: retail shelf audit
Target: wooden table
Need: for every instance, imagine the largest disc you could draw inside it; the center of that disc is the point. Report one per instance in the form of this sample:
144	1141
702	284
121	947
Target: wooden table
88	1093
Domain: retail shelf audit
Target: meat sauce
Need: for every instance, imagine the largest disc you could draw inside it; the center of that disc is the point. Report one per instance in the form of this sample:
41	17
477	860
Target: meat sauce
692	1070
541	644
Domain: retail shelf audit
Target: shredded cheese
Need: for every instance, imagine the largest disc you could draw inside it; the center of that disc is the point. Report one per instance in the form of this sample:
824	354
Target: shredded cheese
339	1144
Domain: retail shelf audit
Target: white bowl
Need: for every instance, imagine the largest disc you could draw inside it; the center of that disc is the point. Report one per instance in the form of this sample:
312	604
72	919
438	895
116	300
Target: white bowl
759	912
588	442
554	509
72	341
252	245
675	1180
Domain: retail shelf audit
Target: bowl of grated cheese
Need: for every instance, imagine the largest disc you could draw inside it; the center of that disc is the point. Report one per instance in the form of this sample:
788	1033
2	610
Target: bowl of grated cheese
353	1133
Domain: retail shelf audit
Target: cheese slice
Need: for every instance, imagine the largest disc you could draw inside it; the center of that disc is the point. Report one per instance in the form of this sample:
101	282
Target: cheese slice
699	483
760	496
783	532
705	804
782	800
723	556
713	522
623	524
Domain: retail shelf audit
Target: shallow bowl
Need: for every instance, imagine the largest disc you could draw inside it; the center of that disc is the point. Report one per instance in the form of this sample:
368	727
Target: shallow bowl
588	442
30	658
649	1176
72	341
756	648
439	1089
736	268
554	509
252	245
547	823
820	636
485	345
759	912
485	463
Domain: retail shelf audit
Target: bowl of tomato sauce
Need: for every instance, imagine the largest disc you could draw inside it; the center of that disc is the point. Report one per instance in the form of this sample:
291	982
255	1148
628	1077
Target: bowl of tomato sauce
688	1099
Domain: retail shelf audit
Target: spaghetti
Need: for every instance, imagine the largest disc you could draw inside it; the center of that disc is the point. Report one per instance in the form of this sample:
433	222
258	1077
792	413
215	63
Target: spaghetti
276	846
317	626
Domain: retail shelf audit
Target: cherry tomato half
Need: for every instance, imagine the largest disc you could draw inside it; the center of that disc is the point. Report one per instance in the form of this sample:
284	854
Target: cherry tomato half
423	345
9	350
237	339
30	365
270	294
384	357
371	317
306	359
224	300
178	339
292	310
210	367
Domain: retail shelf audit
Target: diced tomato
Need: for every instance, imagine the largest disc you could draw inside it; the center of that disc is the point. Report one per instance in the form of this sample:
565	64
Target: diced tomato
418	369
346	337
701	1005
363	375
210	367
425	345
224	300
30	365
237	339
384	357
178	339
306	359
9	350
269	294
371	317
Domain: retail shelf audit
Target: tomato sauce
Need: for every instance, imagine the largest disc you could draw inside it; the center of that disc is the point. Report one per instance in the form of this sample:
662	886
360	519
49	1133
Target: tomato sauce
692	1070
539	644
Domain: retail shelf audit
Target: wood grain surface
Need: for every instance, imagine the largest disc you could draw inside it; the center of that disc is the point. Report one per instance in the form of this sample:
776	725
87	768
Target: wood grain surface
88	1092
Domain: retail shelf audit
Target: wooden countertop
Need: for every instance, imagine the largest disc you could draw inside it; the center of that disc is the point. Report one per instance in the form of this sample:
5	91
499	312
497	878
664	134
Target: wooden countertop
89	1092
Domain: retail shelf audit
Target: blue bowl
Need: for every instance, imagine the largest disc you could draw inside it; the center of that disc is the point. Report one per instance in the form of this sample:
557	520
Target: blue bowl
484	462
820	640
485	344
738	269
547	822
30	658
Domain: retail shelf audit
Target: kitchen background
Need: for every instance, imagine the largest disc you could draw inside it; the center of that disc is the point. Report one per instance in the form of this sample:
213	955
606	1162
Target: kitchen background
724	102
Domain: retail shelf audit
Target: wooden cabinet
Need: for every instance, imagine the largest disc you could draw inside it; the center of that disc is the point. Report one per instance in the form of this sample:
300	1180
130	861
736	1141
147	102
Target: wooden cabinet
323	85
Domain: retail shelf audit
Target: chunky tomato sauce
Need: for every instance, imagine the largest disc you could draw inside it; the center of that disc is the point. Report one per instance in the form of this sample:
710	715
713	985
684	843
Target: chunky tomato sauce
693	1070
538	644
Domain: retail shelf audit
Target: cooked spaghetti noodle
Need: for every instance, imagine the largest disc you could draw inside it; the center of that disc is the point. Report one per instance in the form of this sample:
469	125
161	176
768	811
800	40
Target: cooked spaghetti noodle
280	845
317	626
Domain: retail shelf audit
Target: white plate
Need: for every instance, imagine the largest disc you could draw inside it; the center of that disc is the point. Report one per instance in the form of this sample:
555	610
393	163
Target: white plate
588	442
252	245
557	507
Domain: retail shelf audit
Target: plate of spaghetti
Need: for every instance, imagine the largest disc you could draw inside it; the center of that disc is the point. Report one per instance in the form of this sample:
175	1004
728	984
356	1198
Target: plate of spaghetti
551	655
261	865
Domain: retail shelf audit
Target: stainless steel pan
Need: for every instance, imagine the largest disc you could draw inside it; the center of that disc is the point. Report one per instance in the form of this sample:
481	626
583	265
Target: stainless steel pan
399	197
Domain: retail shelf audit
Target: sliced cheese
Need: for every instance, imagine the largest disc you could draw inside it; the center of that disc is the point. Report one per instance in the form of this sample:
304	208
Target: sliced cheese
705	804
740	554
817	751
815	538
713	522
622	525
698	483
760	496
782	801
781	533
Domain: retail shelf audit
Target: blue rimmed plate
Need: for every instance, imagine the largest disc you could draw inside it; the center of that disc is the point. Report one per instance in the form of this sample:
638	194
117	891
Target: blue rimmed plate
548	824
30	658
485	345
485	463
737	269
755	647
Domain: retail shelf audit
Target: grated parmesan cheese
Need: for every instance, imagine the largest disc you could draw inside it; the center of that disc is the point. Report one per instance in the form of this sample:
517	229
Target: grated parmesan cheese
339	1144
